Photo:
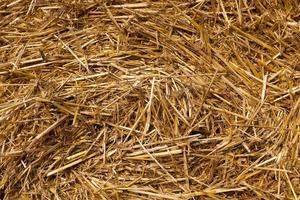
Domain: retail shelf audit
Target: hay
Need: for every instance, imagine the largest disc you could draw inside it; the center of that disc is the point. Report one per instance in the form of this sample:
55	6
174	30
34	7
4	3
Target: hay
149	99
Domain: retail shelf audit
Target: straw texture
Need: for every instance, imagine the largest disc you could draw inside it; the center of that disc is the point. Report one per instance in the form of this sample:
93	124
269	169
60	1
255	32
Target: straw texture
149	99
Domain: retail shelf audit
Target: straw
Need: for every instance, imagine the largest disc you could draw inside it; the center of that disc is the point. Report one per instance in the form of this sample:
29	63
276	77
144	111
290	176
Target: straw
149	99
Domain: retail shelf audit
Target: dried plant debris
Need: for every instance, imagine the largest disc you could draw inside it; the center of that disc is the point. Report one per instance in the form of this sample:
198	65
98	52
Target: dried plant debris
149	99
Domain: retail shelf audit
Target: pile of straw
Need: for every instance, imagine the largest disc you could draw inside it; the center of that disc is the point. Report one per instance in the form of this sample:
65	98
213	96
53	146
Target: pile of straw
149	99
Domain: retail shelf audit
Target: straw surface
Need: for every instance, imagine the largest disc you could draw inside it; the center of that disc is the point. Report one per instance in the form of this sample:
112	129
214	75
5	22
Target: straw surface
149	99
